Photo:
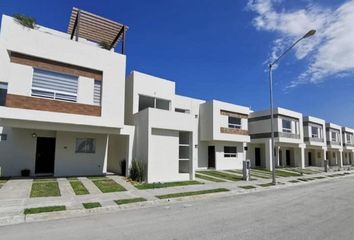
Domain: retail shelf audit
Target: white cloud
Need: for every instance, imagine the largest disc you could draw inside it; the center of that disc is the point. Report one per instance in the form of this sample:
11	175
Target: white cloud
331	50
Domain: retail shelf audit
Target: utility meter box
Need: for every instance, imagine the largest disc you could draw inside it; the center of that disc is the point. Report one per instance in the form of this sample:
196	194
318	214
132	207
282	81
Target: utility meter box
326	165
246	170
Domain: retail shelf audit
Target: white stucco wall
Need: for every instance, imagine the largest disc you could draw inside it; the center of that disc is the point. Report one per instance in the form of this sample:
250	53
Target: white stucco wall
54	45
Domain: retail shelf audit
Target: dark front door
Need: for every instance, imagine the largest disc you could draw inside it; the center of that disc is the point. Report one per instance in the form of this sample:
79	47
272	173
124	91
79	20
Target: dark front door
257	152
310	158
287	157
211	156
45	155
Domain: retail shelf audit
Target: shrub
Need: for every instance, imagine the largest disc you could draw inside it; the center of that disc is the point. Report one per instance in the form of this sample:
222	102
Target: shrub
137	171
105	45
26	21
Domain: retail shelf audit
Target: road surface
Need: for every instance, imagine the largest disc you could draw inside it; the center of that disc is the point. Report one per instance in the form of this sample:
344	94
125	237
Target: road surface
323	210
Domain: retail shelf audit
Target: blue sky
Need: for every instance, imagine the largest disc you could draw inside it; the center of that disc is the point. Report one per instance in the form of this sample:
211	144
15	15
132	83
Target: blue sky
219	49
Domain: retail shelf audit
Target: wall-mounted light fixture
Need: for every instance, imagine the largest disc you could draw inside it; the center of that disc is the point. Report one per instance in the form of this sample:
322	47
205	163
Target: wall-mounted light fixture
34	135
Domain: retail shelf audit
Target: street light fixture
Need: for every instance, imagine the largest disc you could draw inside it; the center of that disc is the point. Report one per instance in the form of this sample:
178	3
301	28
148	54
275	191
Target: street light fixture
270	68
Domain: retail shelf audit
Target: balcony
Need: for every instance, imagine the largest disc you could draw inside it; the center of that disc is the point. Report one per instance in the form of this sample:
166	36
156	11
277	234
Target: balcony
236	131
287	135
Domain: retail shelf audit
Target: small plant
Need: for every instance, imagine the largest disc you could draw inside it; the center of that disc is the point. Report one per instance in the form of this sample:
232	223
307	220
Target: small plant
137	171
25	21
105	45
25	172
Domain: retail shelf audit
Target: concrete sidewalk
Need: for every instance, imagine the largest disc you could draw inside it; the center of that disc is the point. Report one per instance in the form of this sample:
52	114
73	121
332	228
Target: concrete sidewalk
15	195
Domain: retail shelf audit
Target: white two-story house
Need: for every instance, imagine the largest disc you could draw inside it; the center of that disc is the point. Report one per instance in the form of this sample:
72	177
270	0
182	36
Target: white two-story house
348	145
315	140
289	147
166	127
334	145
223	135
62	99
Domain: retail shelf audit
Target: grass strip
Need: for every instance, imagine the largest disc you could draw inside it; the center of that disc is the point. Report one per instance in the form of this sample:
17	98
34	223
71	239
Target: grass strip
79	188
320	177
90	205
72	178
44	209
283	173
107	185
142	186
247	187
45	189
186	194
208	178
44	180
222	175
303	179
266	184
129	200
294	181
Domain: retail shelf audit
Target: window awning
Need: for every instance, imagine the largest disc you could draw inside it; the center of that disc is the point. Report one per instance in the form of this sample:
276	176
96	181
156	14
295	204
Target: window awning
96	28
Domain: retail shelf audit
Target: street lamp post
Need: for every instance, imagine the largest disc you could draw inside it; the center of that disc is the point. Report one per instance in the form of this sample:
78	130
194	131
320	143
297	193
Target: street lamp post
270	69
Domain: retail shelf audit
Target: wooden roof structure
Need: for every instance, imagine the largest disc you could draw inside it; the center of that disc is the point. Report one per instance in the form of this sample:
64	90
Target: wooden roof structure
96	28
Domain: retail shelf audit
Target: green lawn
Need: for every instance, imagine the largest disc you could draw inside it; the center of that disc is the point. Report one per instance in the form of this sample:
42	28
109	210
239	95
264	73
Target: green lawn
44	209
283	173
208	178
266	185
107	185
90	205
222	175
320	177
294	181
2	182
78	187
129	200
186	194
142	186
247	187
44	180
45	189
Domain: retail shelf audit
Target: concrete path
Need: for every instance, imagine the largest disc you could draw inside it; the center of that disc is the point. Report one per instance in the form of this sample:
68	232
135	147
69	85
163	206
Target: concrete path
321	210
14	195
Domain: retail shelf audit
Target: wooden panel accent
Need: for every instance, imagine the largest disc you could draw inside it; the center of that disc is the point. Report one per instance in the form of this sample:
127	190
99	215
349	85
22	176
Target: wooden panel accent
42	104
55	66
233	131
233	114
95	28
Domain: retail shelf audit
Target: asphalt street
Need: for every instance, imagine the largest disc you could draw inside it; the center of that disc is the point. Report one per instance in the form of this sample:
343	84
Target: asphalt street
322	210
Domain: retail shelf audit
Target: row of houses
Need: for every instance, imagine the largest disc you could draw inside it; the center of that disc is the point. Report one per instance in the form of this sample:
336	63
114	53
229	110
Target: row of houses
68	109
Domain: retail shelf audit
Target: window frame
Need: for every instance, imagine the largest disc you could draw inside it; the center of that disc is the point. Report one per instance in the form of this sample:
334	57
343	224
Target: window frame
3	88
335	136
234	125
230	154
91	150
57	95
318	132
284	129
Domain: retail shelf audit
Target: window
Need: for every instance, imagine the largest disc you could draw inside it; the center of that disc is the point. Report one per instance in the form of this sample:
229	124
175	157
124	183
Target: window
146	102
234	122
151	102
85	145
182	110
54	85
286	126
315	132
3	137
349	138
97	92
3	93
334	136
162	104
230	152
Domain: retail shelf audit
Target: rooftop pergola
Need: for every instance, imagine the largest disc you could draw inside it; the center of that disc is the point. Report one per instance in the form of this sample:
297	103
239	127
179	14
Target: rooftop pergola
96	29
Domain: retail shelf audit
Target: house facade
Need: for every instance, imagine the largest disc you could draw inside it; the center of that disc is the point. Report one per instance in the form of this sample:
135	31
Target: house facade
68	109
334	145
288	139
62	107
348	145
316	141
